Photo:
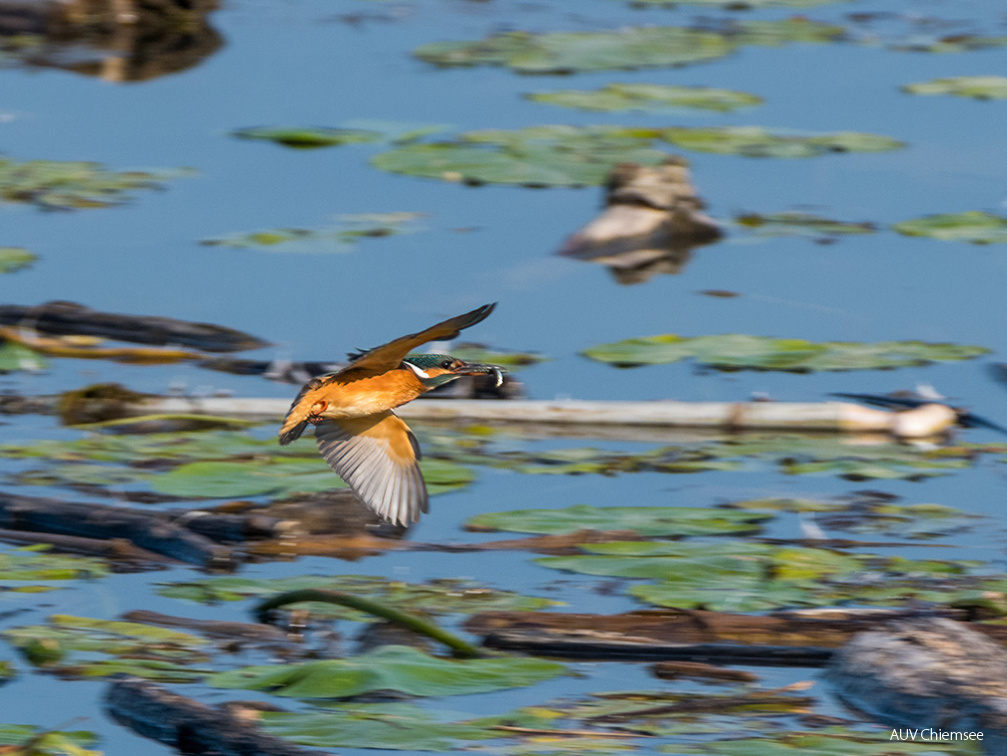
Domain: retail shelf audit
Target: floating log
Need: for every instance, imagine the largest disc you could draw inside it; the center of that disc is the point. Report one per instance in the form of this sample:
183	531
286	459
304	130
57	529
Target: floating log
193	727
928	420
792	638
69	318
116	549
154	531
928	674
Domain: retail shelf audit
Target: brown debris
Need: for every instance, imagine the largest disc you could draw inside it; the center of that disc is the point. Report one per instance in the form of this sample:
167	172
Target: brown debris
69	318
675	670
652	221
191	726
789	638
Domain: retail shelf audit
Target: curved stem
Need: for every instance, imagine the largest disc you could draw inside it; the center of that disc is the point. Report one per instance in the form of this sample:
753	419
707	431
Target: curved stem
410	621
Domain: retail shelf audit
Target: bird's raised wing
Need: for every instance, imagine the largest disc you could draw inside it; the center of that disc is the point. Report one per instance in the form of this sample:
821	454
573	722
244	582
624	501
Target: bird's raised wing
389	356
377	456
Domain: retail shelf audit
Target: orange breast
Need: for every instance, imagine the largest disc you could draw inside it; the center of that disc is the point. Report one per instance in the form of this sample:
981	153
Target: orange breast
366	395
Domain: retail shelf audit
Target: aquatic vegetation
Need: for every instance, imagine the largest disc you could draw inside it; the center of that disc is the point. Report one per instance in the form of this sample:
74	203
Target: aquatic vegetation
976	87
444	596
648	97
38	563
42	742
972	226
755	141
53	185
396	668
339	238
800	224
13	259
625	49
306	138
744	352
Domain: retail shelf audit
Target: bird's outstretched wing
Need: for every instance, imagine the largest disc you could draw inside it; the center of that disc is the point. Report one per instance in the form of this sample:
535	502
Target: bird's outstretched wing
389	356
377	456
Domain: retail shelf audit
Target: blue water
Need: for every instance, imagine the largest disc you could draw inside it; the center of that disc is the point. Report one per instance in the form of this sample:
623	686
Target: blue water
302	63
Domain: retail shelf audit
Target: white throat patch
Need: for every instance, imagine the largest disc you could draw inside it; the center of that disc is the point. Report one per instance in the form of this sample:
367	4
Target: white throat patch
419	373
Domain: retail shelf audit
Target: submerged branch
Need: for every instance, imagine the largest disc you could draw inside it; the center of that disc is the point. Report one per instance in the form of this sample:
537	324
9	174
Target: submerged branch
409	621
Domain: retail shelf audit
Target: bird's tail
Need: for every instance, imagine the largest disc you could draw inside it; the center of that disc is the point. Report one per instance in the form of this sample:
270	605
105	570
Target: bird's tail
297	417
292	428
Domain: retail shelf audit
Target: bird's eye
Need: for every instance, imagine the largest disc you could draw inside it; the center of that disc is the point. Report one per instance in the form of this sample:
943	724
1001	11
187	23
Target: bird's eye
447	364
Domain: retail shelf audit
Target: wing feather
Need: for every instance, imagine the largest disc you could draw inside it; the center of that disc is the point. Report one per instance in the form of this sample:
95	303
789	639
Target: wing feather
377	457
389	356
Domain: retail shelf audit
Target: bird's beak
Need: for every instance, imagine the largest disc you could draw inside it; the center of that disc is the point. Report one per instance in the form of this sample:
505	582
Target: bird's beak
471	368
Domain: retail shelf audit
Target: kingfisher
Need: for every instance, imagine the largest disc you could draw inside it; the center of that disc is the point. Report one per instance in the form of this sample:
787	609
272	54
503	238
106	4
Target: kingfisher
357	433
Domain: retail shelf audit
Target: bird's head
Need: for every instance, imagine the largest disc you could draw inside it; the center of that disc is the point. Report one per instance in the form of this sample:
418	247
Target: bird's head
437	369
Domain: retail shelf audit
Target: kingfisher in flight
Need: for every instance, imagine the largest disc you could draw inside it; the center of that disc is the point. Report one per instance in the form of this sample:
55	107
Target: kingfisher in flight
360	437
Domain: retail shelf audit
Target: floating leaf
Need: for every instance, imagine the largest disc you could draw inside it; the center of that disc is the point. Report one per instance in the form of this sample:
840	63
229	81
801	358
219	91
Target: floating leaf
535	156
39	742
13	259
744	352
648	97
972	226
834	741
309	137
625	49
445	596
340	238
742	576
142	650
755	141
647	521
17	357
397	668
801	224
392	726
568	52
37	563
977	87
54	185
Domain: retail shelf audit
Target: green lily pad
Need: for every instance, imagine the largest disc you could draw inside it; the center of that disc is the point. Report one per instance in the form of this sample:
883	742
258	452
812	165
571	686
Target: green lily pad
308	137
744	576
68	644
445	596
972	226
41	742
535	156
52	185
392	726
15	357
800	224
397	668
340	238
38	563
206	464
626	49
648	521
755	141
13	259
743	352
976	87
614	97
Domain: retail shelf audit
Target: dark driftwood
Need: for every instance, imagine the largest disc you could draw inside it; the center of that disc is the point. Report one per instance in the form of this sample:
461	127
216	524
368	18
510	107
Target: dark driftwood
148	530
190	726
652	221
70	318
798	638
927	673
116	549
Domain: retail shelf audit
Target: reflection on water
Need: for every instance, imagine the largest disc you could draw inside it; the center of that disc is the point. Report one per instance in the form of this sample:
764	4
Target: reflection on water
115	40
